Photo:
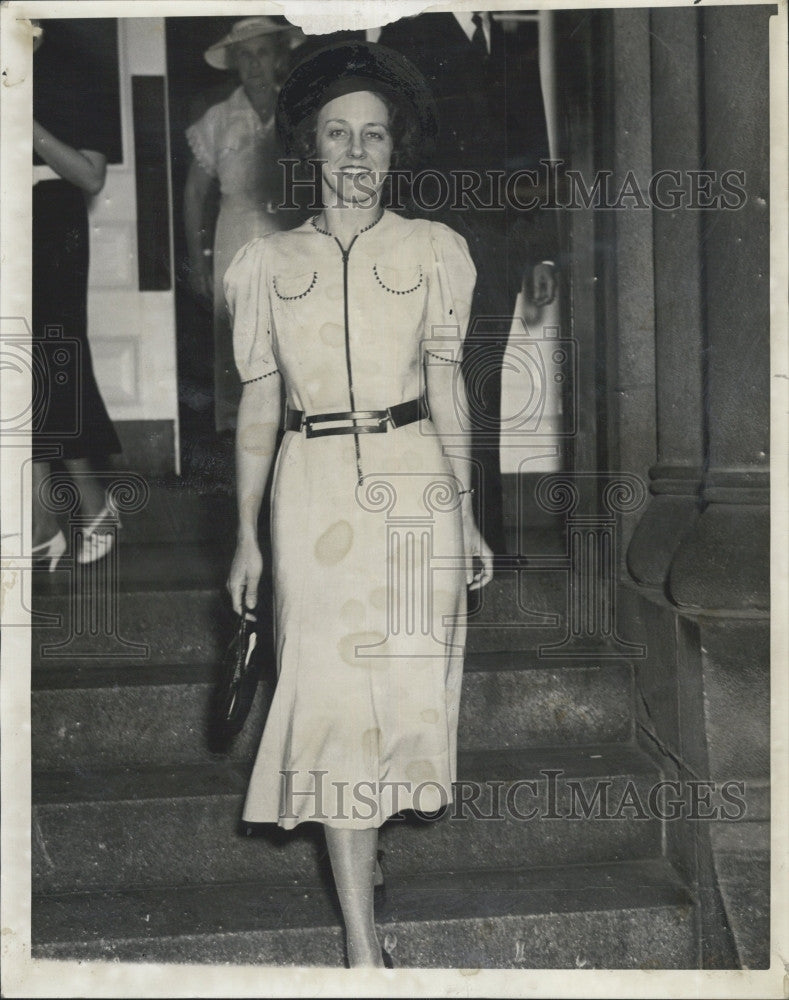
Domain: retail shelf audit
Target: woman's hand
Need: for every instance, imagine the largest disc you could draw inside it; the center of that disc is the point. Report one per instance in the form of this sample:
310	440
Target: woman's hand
244	577
479	556
540	285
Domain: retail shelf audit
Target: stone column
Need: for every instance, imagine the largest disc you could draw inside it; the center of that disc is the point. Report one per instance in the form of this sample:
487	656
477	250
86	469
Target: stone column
724	563
630	358
675	479
701	552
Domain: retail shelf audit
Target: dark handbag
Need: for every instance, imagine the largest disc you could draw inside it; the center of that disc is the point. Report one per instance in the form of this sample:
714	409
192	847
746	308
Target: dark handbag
248	651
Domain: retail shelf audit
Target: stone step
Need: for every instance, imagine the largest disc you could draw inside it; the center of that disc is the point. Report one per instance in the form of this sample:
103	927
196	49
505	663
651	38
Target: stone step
156	715
520	609
179	825
150	627
627	915
166	603
168	509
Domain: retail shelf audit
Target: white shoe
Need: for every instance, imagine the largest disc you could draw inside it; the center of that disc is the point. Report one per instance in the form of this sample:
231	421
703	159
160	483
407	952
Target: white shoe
52	550
98	539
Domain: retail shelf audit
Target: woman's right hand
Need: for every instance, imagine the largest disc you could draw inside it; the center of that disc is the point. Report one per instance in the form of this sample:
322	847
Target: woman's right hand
479	556
244	577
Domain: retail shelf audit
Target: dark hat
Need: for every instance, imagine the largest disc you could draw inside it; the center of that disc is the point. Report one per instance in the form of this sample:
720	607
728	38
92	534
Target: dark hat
323	75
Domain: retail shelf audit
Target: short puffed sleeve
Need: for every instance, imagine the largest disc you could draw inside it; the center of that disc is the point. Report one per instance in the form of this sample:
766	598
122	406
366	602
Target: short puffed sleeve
246	287
452	277
203	139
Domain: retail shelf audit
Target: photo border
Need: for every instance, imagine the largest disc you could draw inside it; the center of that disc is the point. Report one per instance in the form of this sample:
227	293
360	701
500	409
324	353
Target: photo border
22	976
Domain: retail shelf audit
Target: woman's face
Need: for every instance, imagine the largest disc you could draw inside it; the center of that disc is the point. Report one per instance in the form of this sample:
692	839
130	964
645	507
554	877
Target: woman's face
352	136
256	61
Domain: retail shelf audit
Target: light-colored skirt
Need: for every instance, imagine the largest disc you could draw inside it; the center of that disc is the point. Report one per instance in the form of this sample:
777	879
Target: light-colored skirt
370	599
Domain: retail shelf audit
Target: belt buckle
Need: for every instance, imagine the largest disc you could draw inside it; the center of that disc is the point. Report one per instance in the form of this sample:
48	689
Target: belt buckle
381	418
309	429
384	419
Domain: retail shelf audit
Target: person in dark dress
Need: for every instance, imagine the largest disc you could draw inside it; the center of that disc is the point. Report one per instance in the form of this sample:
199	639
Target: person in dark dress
71	424
487	87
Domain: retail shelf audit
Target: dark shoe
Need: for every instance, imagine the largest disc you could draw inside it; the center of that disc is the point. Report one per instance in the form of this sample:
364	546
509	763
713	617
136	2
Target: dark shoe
379	871
379	888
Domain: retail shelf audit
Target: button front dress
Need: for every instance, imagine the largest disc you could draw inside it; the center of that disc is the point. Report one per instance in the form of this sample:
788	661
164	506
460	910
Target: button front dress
369	574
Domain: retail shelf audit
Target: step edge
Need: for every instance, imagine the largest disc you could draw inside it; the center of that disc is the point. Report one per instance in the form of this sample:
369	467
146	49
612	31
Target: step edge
47	678
543	901
629	760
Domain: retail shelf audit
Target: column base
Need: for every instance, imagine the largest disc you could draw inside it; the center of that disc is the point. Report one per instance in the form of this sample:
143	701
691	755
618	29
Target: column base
672	512
723	565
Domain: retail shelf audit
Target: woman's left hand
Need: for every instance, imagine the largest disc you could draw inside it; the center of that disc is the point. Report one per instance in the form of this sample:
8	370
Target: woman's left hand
479	557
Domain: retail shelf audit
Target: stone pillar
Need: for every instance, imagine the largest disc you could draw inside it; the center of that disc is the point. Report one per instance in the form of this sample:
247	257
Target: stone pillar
723	564
721	571
700	554
631	353
675	479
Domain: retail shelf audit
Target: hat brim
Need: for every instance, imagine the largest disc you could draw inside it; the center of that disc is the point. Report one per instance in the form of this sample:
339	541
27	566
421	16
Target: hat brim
217	54
304	91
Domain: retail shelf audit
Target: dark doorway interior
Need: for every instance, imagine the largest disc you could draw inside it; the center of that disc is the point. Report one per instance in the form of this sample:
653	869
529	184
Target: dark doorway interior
193	86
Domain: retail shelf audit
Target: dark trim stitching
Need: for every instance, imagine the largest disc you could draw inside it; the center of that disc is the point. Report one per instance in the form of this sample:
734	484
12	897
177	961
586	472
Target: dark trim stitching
292	298
259	377
394	291
449	361
325	232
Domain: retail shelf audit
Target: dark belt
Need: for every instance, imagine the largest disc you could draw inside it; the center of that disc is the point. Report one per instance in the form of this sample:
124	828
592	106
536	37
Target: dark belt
358	421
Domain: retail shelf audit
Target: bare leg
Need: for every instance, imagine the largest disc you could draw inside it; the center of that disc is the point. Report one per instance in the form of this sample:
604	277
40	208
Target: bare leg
352	854
45	524
91	492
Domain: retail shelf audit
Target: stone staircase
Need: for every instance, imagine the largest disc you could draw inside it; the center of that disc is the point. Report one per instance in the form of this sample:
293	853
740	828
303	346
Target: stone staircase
137	848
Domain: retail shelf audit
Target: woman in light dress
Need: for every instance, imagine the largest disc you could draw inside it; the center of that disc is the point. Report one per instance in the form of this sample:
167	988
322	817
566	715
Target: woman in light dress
361	314
234	146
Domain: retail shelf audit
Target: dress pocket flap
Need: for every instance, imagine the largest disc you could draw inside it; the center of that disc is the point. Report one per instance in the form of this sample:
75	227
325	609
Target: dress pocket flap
398	280
294	286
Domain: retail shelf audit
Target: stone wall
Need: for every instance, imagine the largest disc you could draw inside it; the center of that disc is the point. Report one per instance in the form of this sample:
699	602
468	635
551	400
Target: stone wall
688	398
